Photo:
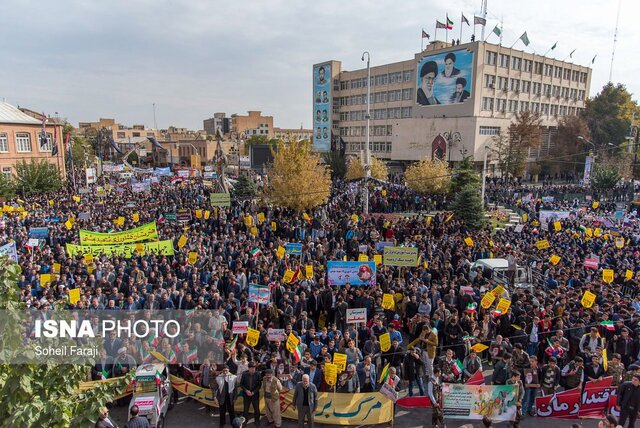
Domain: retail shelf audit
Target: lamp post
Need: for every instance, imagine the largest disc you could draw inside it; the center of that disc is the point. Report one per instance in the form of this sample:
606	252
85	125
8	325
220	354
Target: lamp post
484	173
367	153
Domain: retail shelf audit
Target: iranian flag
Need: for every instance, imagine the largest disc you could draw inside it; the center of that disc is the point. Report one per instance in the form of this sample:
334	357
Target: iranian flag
172	357
297	353
104	374
144	356
496	313
256	252
178	346
608	325
192	355
153	341
232	345
158	377
471	308
190	313
449	23
476	379
457	367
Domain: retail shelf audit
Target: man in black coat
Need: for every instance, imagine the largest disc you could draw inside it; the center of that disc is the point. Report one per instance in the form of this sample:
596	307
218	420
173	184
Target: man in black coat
250	384
629	400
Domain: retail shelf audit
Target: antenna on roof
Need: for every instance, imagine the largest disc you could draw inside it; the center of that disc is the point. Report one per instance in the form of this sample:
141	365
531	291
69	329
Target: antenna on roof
615	40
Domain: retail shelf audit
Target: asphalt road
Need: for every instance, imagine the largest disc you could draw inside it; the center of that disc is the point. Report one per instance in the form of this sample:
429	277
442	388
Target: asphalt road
192	414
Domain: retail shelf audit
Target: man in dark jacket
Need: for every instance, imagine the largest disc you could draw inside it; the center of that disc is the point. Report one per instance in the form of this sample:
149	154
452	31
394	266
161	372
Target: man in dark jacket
413	370
250	384
629	400
502	371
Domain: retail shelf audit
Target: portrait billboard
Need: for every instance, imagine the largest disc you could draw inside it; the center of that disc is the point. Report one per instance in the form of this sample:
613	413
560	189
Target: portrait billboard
445	78
322	107
353	273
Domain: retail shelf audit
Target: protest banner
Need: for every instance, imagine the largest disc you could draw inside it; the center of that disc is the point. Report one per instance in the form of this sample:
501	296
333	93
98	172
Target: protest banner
628	274
487	300
554	259
252	337
503	305
295	249
330	373
387	301
474	402
607	275
183	215
74	296
308	270
9	250
377	259
595	401
400	256
356	315
182	241
592	263
39	232
193	257
259	294
220	199
280	252
498	291
588	299
239	327
385	342
469	241
542	244
276	335
164	248
292	343
363	257
145	232
288	276
340	360
354	273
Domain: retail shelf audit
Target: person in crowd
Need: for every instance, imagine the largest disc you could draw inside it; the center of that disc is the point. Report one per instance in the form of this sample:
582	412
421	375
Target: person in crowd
272	387
305	398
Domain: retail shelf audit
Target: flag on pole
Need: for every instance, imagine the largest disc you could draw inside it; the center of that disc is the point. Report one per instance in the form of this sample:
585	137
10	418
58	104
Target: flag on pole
449	23
594	58
525	38
232	345
554	46
425	35
608	325
43	133
497	31
478	20
297	353
384	374
571	54
114	145
465	20
256	252
457	367
440	25
154	142
476	379
172	357
192	355
54	149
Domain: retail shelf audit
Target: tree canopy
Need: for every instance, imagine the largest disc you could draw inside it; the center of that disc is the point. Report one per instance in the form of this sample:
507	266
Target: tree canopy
429	176
355	169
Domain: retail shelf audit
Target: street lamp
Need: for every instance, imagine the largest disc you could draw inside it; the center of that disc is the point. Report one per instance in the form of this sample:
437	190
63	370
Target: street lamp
367	156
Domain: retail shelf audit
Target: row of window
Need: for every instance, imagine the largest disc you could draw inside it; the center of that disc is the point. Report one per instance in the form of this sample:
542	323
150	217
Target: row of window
377	146
514	106
378	80
489	130
536	88
526	65
23	143
361	131
377	114
133	134
376	97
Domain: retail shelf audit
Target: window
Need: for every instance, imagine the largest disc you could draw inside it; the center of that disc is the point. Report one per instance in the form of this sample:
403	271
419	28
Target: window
548	69
4	143
527	65
489	80
6	170
406	112
536	88
546	90
406	94
501	105
503	83
544	109
344	85
516	63
490	57
537	69
567	74
136	134
408	75
513	106
487	103
535	107
395	77
557	71
515	85
121	135
489	130
526	86
524	105
23	142
504	60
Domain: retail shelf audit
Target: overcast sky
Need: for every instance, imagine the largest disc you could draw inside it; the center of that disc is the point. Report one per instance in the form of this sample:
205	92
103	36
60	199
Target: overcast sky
90	59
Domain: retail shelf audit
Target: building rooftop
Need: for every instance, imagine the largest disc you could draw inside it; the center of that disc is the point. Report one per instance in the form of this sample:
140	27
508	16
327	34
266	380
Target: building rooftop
11	114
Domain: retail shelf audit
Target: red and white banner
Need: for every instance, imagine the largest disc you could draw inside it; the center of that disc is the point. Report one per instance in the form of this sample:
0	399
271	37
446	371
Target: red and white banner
595	401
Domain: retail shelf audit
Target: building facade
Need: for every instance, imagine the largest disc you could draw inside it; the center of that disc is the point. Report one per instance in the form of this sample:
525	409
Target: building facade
254	123
292	134
447	102
219	122
20	139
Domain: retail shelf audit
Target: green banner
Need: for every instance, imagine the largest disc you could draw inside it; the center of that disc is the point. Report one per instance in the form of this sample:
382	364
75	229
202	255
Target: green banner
400	256
164	248
145	232
220	200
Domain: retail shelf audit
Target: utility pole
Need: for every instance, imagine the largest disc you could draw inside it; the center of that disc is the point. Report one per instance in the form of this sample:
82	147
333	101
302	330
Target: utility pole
367	155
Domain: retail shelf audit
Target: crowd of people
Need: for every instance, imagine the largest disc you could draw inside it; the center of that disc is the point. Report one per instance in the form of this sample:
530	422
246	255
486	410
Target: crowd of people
545	341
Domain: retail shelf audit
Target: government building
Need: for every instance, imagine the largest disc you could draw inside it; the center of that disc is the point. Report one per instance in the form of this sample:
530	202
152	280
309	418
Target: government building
446	102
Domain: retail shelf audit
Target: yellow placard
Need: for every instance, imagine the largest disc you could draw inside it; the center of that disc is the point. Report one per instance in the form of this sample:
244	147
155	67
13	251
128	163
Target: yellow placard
280	252
503	305
468	241
254	231
542	244
628	275
340	360
74	296
498	291
121	221
76	199
479	347
182	241
274	226
69	224
292	342
248	221
308	269
207	214
377	258
193	257
252	337
525	217
51	202
607	275
90	269
44	278
288	276
598	232
595	205
587	299
387	301
330	373
88	258
363	258
384	192
135	217
619	242
385	342
146	232
198	213
164	248
354	218
589	232
306	216
557	226
261	217
487	300
429	220
554	259
56	268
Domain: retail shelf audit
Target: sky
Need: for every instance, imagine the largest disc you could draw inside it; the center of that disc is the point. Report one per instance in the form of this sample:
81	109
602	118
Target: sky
91	58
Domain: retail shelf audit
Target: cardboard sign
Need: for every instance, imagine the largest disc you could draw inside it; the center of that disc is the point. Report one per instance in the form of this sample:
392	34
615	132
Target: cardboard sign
479	347
487	300
288	276
293	342
356	315
276	335
628	275
308	270
182	241
198	213
261	217
240	327
619	243
135	217
280	252
88	258
503	305
193	257
554	259
220	199
207	214
385	342
387	301
252	337
557	226
259	294
588	299
340	360
363	258
498	291
400	256
74	296
592	263
330	373
607	275
543	244
468	241
377	258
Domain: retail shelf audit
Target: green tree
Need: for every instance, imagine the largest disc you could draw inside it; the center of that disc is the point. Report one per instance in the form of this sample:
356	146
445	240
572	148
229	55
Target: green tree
609	115
37	177
245	187
297	178
465	175
569	151
468	207
43	395
261	139
604	177
337	163
7	187
81	149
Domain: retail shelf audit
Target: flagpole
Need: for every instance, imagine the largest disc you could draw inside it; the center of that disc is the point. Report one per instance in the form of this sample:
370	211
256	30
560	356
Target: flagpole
435	32
422	40
484	15
461	14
